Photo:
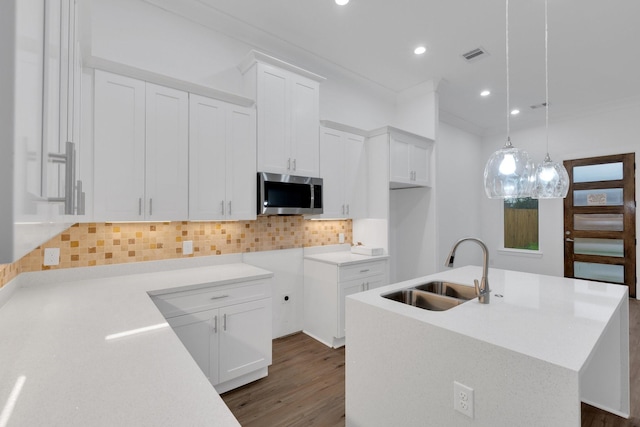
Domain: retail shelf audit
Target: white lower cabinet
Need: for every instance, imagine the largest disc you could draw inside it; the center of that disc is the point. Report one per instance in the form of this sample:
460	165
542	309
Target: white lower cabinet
326	286
227	330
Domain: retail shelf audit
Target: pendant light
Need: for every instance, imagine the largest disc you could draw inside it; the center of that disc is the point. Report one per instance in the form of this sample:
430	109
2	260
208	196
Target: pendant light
551	178
509	172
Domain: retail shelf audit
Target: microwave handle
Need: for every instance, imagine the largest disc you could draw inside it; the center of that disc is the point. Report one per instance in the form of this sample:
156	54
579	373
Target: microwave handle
312	196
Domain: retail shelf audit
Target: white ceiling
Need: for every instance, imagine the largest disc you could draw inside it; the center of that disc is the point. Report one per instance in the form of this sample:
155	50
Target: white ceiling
594	61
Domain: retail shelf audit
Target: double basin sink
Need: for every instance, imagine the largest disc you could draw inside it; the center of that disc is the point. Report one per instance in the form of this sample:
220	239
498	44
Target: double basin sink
434	296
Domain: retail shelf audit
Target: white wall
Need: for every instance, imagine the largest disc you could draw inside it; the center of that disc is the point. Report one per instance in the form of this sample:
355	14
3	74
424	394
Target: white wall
611	131
142	35
459	194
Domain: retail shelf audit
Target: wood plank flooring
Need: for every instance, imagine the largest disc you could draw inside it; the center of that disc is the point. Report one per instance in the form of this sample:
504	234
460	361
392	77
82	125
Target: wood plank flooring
305	386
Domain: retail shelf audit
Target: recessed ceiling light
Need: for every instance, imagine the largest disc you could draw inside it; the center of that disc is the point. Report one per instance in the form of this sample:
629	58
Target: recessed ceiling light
420	50
515	112
341	2
485	93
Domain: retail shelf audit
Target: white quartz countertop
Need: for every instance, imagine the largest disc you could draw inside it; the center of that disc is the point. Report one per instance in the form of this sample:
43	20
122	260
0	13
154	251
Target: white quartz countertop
52	340
340	258
554	319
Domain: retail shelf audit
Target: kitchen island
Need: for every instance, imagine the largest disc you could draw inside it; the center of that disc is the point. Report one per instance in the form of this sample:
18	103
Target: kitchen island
542	345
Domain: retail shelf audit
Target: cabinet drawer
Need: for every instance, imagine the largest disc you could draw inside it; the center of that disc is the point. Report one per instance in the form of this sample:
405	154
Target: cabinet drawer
178	303
358	271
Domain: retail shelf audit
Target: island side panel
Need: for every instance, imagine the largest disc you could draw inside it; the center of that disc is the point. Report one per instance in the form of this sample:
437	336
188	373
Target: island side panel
604	380
400	371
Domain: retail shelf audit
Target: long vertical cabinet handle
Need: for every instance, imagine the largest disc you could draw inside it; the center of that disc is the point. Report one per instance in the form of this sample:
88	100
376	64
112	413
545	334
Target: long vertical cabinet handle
140	206
347	209
215	324
150	206
294	164
70	179
222	207
229	207
289	164
224	322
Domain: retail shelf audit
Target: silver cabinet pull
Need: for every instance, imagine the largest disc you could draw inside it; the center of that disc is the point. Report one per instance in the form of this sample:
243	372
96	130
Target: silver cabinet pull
221	207
215	324
294	164
139	205
220	297
69	160
342	209
80	210
347	209
364	271
150	206
224	321
289	164
229	207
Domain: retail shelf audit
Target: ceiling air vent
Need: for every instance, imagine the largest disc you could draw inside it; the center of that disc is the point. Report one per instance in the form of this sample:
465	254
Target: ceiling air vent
475	54
535	107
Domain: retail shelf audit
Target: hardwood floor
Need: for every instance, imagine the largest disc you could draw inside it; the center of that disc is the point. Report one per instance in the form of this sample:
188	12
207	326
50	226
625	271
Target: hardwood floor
305	386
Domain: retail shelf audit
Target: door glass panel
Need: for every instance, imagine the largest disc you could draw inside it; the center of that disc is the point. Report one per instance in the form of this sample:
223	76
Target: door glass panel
601	247
604	172
604	222
599	197
602	272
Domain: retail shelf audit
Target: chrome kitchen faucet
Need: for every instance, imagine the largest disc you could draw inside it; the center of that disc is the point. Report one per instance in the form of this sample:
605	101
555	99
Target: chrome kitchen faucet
482	289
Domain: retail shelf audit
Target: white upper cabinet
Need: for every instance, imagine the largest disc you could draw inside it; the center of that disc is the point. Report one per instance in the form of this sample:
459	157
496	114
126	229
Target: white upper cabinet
167	154
222	160
343	168
27	217
409	160
140	150
288	113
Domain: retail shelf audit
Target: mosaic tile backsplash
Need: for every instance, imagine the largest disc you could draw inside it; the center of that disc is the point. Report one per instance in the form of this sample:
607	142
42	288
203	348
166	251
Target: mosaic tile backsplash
91	244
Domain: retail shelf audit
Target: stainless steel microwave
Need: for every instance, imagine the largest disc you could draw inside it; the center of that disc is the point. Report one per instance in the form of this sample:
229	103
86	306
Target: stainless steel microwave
288	194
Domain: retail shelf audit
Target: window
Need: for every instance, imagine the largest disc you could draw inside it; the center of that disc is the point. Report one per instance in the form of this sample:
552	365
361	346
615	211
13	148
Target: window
521	224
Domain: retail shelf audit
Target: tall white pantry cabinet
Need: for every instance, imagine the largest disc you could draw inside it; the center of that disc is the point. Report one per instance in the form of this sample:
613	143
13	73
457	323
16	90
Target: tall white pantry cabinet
140	150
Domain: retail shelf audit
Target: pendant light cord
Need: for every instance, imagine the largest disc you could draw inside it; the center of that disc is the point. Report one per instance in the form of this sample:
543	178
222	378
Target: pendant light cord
508	94
546	74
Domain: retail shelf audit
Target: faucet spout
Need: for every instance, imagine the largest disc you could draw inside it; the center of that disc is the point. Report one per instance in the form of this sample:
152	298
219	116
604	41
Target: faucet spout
482	288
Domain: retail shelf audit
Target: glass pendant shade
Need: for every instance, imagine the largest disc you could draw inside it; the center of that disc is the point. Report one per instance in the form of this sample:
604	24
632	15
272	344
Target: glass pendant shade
551	180
509	173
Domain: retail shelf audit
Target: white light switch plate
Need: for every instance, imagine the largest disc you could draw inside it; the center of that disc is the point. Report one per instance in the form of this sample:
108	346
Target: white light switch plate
463	399
187	247
51	256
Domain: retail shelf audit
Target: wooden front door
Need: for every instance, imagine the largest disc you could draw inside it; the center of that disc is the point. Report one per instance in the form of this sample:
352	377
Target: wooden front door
600	220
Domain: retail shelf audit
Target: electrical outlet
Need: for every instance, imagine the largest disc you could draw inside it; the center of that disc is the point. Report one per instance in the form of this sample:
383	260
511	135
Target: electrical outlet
187	247
341	238
463	399
51	256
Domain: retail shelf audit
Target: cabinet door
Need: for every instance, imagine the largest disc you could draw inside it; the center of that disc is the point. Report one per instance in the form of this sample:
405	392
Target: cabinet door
198	333
332	149
167	148
420	162
245	338
346	289
241	164
207	158
119	153
273	121
305	144
400	166
355	184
